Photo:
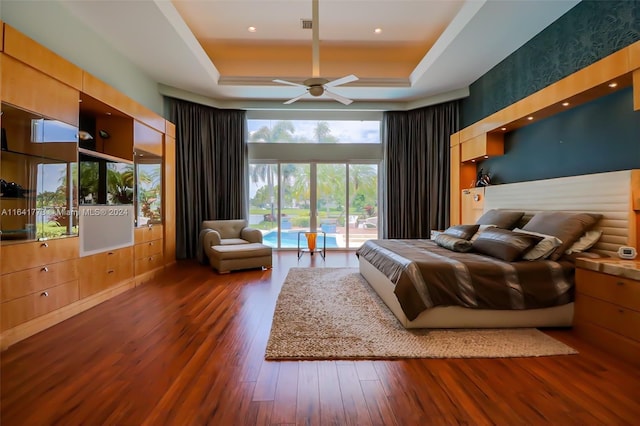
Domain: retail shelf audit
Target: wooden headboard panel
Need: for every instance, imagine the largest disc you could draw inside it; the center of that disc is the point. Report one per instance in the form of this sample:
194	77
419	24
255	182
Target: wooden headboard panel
611	194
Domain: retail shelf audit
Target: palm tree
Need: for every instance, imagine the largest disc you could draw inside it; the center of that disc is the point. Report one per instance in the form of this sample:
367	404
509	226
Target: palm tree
322	133
282	131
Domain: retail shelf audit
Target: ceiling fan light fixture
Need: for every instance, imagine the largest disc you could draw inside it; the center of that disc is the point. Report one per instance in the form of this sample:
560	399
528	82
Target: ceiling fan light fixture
316	90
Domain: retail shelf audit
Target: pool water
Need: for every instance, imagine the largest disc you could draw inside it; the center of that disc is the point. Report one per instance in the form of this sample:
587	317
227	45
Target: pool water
290	240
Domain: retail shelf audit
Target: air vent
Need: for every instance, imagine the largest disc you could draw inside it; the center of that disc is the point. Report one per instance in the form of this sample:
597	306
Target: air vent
306	24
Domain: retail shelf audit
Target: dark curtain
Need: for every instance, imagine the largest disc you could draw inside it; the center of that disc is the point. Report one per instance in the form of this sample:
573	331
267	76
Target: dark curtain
211	158
416	179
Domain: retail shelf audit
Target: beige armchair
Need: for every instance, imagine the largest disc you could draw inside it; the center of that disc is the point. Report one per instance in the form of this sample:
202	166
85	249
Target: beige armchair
230	245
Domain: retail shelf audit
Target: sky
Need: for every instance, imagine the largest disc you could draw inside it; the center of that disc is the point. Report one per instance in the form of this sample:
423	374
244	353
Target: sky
352	131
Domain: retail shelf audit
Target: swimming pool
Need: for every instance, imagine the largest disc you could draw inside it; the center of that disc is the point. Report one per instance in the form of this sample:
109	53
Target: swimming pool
290	240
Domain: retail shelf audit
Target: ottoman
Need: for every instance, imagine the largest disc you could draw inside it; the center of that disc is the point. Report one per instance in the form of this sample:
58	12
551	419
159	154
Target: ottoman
231	257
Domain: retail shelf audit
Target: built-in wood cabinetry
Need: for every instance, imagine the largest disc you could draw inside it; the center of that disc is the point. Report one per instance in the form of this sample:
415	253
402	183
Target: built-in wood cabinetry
472	204
485	137
44	280
148	252
37	278
607	306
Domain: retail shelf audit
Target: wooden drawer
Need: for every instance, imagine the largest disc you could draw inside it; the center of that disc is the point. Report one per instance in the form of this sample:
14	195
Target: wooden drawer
149	263
103	270
148	249
25	308
608	315
22	283
29	255
147	233
621	291
611	342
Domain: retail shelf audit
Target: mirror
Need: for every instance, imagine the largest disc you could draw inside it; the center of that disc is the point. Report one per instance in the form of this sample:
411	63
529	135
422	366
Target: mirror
148	182
38	175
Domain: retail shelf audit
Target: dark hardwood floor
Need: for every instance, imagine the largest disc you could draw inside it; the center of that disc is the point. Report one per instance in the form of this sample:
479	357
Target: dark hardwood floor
188	349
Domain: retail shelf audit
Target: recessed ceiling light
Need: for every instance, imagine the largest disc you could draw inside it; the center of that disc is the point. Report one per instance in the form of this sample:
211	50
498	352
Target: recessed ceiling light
486	156
530	118
252	29
614	84
565	104
377	30
473	161
108	113
503	129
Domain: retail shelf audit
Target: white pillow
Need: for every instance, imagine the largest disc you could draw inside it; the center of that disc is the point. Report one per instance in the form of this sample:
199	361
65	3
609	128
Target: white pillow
588	240
544	248
480	230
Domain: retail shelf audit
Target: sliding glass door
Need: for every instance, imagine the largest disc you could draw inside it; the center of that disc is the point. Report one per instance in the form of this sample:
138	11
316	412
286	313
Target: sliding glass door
339	199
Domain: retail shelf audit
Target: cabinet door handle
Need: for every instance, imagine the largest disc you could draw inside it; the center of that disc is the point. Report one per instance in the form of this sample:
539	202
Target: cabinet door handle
620	283
150	244
45	269
44	245
110	271
621	311
110	253
44	294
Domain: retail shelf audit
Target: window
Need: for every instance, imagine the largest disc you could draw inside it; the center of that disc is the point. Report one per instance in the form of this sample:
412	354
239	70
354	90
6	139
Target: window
314	131
297	183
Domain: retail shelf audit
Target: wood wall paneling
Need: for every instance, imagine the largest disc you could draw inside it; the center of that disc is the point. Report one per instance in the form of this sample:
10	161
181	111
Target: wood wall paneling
634	56
472	204
636	90
1	36
39	57
147	139
120	141
34	91
169	196
454	185
486	144
101	91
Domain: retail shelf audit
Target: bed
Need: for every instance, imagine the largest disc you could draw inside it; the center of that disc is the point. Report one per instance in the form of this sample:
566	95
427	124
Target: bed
540	296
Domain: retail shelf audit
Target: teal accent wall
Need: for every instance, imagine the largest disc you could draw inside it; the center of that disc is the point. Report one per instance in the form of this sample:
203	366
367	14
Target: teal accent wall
585	34
600	136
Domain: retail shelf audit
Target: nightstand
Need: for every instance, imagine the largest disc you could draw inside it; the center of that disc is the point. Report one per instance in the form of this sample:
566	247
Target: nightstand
607	305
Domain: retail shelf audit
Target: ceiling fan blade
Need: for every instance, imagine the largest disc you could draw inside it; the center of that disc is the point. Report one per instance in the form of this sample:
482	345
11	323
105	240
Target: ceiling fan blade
290	101
290	83
337	97
343	80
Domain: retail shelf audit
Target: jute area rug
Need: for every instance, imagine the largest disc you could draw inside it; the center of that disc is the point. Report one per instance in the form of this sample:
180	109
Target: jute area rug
332	313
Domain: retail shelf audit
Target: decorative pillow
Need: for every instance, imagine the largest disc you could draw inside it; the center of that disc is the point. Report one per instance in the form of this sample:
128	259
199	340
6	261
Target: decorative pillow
544	248
588	240
453	243
504	244
501	218
480	230
462	231
568	227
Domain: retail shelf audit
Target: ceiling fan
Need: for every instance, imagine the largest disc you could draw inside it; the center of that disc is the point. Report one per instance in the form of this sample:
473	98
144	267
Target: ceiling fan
317	86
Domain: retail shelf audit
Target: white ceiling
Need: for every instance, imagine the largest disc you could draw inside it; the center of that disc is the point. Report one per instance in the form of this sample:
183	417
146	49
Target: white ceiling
184	45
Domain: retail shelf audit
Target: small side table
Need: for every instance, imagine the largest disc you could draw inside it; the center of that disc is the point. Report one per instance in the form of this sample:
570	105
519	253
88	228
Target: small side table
322	251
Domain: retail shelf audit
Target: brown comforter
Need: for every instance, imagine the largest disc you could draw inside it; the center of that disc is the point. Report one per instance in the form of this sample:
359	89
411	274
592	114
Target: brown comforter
427	275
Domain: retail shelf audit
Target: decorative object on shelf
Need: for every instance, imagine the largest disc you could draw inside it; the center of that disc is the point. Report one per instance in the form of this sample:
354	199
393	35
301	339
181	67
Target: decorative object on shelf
483	179
311	240
83	135
104	134
12	189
